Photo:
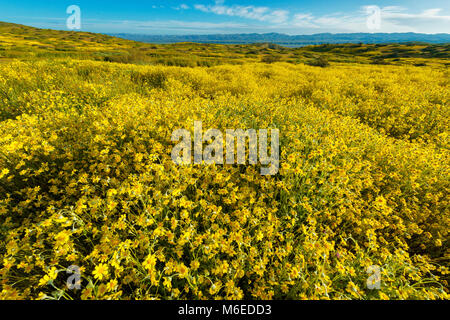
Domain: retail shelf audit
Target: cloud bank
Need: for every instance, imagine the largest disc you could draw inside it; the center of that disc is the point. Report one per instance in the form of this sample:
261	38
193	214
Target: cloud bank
249	12
393	19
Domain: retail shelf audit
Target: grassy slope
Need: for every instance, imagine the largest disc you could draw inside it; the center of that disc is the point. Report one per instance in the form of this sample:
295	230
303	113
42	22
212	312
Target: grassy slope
23	42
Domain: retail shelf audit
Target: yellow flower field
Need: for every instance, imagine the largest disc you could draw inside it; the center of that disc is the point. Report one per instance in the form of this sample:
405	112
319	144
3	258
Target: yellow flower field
87	180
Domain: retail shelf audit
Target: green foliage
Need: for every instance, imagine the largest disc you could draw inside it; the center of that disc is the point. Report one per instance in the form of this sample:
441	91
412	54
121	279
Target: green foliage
319	62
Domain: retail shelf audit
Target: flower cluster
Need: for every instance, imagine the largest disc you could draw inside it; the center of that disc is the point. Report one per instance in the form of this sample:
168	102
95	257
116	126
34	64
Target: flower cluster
87	179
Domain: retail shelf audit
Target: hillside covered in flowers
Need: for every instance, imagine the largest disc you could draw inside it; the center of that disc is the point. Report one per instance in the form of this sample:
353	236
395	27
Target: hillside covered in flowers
87	179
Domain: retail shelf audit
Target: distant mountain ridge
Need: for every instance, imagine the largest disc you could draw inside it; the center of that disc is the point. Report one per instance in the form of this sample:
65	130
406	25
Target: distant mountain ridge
292	40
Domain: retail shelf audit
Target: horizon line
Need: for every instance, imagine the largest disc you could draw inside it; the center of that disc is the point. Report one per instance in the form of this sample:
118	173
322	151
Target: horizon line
235	33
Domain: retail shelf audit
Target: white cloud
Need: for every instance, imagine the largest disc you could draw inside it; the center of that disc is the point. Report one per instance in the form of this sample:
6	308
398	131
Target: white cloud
304	20
249	12
399	14
393	19
337	22
182	7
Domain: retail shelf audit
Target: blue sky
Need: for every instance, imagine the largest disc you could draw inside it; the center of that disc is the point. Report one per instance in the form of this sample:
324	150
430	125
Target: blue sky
235	16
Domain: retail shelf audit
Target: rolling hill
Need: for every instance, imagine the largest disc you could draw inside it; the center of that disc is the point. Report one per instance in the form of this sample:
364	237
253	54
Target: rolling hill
24	42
